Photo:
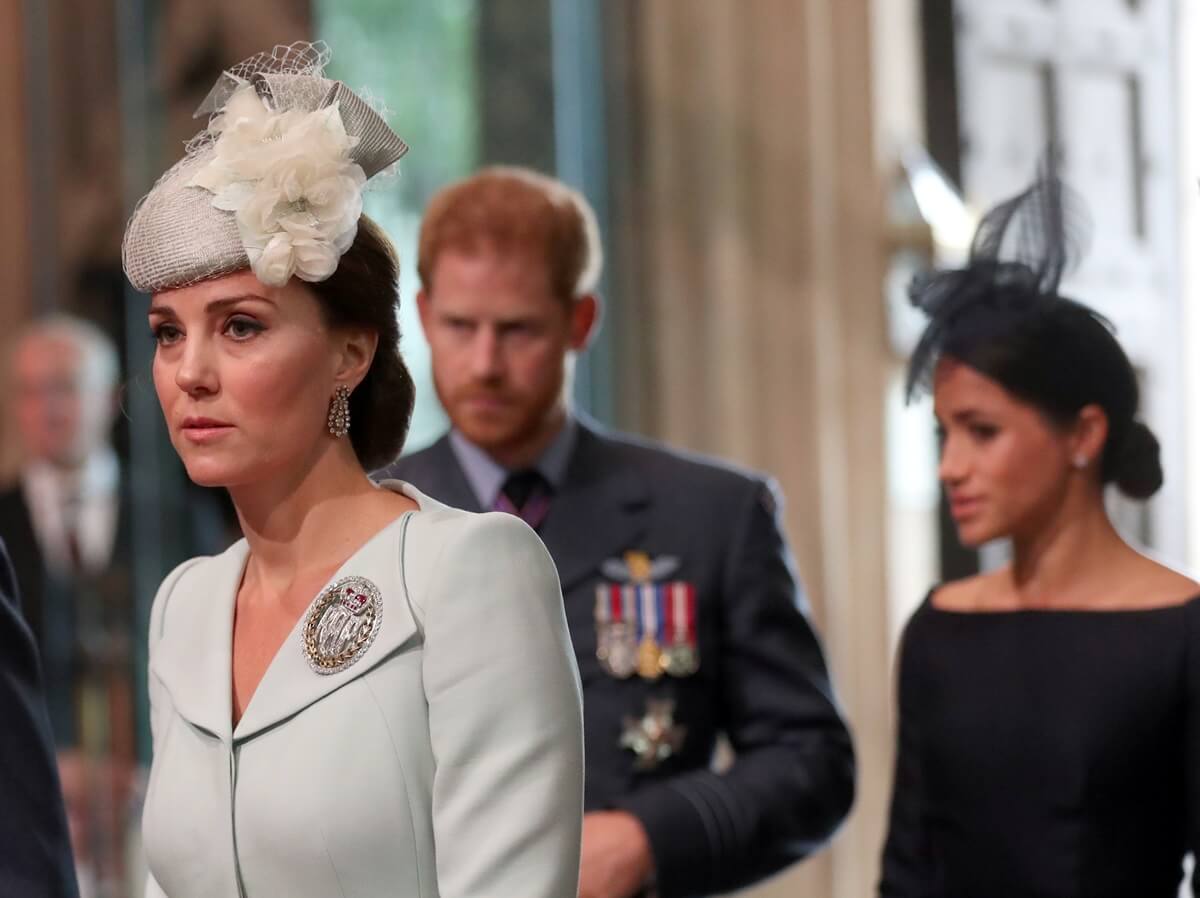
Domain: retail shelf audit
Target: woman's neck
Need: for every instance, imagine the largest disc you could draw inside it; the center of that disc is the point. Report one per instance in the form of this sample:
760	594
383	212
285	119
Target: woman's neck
308	523
1066	559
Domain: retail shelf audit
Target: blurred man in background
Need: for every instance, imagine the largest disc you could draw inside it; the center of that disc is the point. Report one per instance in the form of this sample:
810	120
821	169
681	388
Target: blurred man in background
67	523
62	518
686	616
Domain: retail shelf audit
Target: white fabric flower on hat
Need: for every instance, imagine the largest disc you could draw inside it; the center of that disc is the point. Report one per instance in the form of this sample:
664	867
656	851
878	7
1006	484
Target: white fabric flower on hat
289	181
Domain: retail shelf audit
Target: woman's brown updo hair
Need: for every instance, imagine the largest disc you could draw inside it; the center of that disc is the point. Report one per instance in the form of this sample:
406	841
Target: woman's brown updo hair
364	292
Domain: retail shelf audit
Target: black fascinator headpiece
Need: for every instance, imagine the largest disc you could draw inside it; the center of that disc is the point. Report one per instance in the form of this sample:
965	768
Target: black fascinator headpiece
1002	314
1019	255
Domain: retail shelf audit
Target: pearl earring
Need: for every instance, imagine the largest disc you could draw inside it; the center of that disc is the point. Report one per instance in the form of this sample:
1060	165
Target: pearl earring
1080	461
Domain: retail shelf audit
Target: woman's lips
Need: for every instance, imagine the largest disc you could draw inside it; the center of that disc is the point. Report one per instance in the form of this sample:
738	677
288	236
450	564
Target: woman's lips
965	507
204	430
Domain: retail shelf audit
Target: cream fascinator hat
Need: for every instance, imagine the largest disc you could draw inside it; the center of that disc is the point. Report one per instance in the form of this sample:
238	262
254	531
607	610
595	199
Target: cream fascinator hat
274	182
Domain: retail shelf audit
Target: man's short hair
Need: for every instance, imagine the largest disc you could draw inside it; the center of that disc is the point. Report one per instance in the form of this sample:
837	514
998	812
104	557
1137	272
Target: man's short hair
95	346
513	209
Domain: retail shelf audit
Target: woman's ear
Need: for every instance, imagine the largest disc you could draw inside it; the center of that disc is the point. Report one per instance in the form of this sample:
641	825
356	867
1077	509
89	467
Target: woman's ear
1089	436
356	350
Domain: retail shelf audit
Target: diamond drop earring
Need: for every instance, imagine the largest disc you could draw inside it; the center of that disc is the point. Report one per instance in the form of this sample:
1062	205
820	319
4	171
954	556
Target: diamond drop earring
339	412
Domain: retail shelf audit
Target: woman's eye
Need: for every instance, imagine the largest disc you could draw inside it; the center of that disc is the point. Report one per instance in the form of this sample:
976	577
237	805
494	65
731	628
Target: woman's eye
242	328
983	431
165	334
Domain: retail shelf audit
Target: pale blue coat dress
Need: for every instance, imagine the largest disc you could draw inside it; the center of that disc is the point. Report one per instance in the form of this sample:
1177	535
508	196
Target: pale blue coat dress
447	762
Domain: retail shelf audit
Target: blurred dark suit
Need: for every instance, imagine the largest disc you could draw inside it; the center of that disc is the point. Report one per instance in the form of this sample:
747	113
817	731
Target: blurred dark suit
72	616
84	622
35	854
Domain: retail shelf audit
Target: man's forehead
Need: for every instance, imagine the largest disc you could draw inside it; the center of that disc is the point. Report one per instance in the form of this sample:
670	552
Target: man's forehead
55	359
48	351
488	263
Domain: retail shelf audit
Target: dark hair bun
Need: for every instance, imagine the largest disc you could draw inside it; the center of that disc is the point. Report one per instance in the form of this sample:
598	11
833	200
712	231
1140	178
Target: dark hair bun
1137	470
364	292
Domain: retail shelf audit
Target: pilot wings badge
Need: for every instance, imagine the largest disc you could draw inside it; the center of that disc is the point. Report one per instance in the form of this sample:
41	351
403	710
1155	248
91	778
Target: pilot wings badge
644	623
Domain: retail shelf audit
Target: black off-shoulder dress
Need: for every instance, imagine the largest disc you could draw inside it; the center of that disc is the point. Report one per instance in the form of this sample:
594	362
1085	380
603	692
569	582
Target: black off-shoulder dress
1046	753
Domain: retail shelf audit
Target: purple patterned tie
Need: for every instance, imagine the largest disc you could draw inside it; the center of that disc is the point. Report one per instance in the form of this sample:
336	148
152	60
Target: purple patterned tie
527	495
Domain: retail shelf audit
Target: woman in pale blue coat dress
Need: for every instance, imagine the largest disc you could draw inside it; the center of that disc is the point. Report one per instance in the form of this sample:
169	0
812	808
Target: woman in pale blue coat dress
371	694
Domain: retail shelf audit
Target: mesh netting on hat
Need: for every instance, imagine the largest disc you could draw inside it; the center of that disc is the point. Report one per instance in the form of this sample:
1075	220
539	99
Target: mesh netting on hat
176	236
1020	253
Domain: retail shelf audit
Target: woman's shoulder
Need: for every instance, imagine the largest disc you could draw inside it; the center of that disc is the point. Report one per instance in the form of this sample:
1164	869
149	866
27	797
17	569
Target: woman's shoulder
437	522
449	550
1143	585
191	583
919	625
445	527
1166	586
197	569
967	594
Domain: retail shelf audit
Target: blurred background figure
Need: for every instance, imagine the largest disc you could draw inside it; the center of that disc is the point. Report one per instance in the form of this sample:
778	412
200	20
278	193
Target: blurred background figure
67	521
63	516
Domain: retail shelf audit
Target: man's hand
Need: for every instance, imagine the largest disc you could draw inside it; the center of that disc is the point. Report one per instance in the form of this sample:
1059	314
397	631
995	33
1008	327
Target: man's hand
616	861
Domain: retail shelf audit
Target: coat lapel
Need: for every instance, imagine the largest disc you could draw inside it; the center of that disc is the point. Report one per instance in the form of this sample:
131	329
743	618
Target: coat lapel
290	685
599	512
194	657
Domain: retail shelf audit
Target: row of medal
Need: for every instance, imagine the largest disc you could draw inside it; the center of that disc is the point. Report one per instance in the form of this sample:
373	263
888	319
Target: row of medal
647	628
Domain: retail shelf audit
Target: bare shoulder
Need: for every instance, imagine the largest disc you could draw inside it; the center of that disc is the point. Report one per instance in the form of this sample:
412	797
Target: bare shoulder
970	594
1132	583
1161	585
1137	582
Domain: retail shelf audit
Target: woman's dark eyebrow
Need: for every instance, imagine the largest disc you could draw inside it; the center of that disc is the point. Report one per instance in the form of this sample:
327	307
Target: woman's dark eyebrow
968	414
215	306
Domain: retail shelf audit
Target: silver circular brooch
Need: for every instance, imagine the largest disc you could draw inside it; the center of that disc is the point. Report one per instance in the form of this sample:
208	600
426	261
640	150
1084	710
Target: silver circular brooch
341	624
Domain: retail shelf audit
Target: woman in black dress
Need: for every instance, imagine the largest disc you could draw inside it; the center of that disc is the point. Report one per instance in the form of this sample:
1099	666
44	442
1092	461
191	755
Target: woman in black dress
1048	733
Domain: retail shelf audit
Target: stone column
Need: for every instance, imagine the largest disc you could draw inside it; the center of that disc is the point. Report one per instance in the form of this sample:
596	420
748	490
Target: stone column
14	169
748	253
15	256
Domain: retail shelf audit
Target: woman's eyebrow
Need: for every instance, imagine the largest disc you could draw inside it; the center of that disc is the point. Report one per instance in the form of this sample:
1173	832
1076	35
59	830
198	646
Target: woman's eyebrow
215	305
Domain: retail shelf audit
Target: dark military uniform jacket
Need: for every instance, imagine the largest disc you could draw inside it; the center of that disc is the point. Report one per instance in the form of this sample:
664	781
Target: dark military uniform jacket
688	623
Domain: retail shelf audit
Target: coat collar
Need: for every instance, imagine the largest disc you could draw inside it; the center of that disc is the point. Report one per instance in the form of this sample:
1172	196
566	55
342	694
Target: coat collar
440	473
194	657
600	510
